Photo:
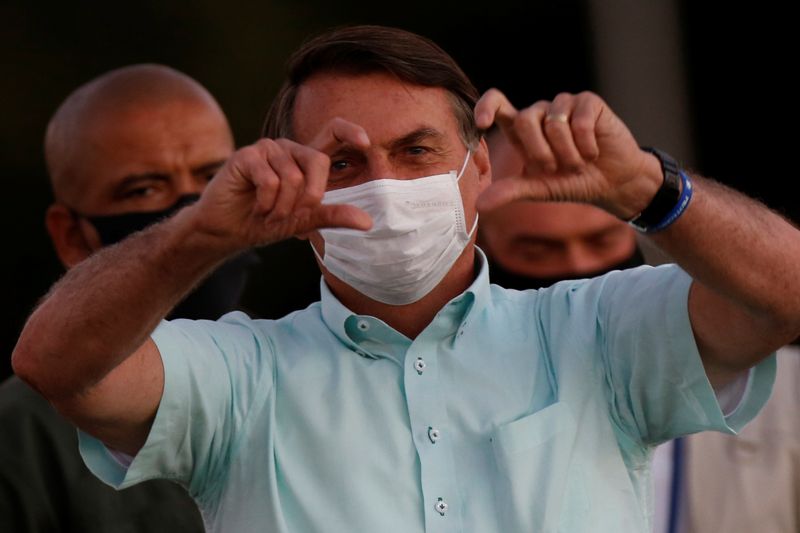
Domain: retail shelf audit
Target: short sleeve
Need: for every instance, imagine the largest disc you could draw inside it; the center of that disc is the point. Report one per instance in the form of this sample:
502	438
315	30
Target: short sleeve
638	323
215	373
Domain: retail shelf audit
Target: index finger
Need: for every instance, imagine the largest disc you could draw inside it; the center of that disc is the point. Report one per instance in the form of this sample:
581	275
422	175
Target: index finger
338	132
494	107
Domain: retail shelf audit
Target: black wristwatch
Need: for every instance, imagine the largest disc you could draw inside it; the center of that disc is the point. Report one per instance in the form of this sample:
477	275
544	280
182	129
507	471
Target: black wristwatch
666	197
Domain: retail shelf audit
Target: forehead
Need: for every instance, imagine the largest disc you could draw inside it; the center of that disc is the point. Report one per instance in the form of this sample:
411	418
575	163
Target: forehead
178	123
156	136
553	220
384	106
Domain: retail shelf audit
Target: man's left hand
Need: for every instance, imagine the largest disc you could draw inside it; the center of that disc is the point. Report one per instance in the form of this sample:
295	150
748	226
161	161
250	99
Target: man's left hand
574	149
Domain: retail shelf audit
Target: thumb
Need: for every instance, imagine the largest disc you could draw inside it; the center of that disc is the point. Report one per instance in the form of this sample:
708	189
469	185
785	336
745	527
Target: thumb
340	216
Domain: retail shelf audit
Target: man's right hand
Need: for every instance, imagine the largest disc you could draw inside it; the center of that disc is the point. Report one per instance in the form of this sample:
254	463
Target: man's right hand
87	347
272	190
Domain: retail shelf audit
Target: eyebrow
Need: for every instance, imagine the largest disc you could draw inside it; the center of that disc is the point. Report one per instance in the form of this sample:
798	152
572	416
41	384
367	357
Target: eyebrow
522	240
133	179
610	229
208	167
417	136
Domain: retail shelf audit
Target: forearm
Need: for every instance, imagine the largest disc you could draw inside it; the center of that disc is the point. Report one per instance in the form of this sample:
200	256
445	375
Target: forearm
745	301
103	309
745	260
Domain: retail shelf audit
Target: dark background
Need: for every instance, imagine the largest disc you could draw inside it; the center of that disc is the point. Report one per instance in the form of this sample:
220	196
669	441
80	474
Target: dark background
737	62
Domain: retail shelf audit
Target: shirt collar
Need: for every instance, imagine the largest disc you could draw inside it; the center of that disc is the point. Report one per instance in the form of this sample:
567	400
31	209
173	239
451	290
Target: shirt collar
371	337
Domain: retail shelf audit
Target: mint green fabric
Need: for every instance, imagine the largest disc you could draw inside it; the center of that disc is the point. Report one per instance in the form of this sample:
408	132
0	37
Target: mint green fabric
512	412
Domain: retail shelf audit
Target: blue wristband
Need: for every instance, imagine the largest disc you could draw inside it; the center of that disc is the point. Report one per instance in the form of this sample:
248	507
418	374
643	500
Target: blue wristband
680	206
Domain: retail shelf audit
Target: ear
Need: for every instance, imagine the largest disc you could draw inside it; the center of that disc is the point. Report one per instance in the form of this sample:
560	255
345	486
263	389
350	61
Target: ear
67	234
481	159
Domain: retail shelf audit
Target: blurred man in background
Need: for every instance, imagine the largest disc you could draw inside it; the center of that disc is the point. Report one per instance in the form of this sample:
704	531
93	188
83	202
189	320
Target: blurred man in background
123	151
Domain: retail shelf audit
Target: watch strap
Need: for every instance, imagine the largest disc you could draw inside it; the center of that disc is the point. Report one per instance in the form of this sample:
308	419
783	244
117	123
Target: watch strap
665	199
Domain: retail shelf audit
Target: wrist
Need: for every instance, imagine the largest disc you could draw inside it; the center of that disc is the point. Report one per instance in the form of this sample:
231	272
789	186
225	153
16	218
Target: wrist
637	192
192	232
652	180
669	201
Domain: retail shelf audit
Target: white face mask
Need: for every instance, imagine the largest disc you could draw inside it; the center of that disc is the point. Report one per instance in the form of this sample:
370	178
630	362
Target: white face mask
418	232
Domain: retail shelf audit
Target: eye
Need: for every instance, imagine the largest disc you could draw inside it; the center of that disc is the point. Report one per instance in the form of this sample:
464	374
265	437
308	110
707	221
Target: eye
538	250
608	239
417	150
535	251
210	171
345	168
339	165
140	192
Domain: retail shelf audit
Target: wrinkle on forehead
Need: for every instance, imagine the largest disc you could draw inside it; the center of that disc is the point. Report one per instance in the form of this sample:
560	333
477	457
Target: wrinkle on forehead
366	98
107	99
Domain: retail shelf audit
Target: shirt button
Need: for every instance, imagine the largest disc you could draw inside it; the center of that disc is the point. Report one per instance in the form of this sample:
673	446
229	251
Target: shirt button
419	365
434	434
363	325
441	507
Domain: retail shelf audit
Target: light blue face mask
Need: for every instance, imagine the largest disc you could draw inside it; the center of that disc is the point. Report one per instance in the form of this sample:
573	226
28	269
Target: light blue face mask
418	232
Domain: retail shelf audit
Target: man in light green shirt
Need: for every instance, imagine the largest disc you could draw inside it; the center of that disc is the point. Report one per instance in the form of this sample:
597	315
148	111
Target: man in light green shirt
415	396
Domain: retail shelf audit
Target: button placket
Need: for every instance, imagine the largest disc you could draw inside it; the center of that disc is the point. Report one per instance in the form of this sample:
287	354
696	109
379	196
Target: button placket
426	399
462	328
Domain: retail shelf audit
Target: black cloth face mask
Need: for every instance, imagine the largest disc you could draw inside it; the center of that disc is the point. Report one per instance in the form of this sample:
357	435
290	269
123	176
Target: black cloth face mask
511	280
218	294
114	228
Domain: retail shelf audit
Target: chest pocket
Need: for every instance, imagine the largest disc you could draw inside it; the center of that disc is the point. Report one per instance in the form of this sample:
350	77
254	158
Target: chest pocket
540	487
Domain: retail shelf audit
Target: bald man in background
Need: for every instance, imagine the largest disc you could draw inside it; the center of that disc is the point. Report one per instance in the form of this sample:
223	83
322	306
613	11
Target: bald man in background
123	151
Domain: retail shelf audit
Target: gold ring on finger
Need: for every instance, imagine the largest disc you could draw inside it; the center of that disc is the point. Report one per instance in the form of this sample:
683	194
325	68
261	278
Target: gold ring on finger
557	117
